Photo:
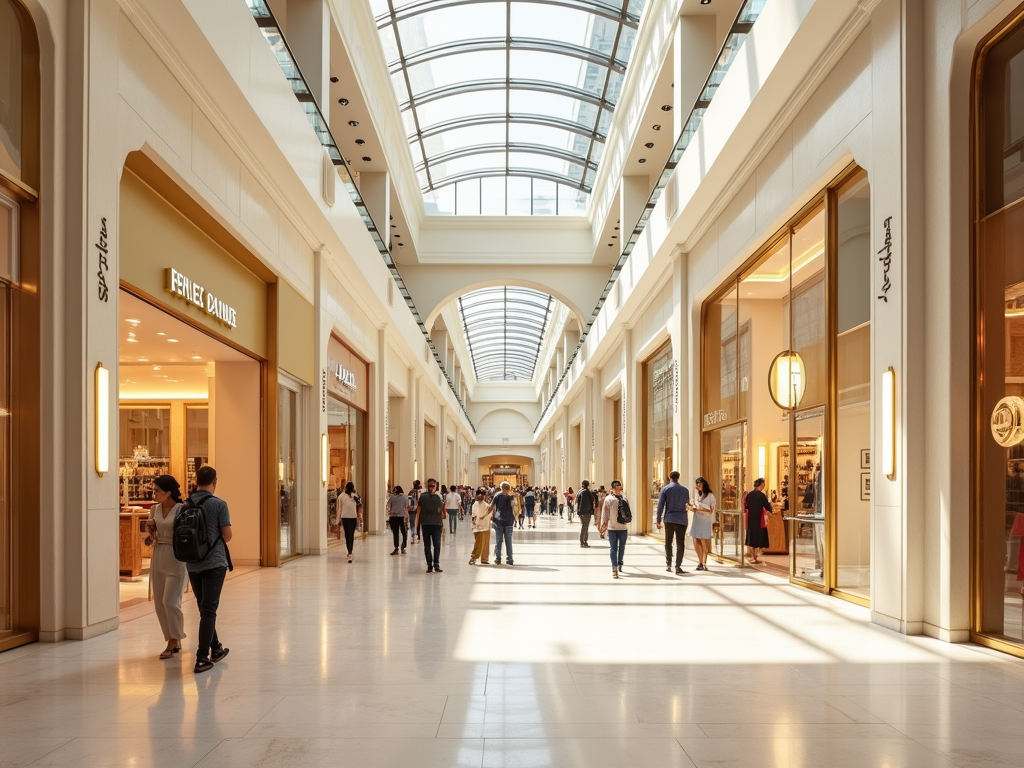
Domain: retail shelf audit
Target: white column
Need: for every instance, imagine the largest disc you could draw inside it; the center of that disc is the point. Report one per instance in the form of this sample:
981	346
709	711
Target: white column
634	191
375	189
694	50
308	32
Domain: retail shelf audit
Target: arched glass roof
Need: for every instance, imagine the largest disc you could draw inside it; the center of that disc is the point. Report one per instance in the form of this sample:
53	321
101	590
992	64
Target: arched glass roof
507	88
505	329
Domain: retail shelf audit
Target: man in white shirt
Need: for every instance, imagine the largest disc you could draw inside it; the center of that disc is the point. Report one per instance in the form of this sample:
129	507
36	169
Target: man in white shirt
452	504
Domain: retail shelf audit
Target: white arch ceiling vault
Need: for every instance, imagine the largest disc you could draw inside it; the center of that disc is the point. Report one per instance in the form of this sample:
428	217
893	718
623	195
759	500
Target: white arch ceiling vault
499	89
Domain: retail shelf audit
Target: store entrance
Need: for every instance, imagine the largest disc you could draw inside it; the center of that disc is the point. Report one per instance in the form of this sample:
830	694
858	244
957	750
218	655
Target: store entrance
185	400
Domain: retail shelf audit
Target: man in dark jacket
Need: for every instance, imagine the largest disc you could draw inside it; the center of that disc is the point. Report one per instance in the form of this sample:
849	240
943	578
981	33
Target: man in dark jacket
586	501
503	521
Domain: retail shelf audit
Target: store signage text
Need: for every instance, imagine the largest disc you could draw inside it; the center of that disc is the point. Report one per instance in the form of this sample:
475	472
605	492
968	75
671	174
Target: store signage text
343	375
323	392
715	417
885	256
198	296
104	265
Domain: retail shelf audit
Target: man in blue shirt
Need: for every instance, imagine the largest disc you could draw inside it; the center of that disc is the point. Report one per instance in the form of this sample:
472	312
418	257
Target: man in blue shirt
207	577
672	506
503	520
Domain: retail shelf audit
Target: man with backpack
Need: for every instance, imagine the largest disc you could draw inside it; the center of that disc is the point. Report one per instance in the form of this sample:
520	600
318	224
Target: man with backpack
205	520
586	502
616	517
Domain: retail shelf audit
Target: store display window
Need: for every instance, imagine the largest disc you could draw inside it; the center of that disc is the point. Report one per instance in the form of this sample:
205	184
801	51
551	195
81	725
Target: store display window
660	387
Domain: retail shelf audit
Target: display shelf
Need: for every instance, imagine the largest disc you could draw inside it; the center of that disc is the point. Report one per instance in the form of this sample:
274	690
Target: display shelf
136	477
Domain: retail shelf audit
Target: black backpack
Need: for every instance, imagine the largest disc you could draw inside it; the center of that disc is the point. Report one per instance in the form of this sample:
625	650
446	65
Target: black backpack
191	537
625	514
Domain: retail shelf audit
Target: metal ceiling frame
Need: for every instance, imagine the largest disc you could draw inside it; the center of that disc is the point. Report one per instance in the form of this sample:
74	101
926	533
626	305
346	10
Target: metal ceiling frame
490	329
617	11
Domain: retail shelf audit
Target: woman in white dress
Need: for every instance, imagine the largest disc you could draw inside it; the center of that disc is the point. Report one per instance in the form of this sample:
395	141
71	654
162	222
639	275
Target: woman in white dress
166	573
702	509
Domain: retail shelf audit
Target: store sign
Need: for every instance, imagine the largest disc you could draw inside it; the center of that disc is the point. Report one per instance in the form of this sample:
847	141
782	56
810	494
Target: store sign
198	296
342	375
715	417
102	250
347	375
885	257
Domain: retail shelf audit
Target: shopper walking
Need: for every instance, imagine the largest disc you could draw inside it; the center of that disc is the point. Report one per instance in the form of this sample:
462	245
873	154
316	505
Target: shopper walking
430	522
615	519
586	502
452	504
398	517
207	577
414	500
757	507
703	509
504	520
672	504
480	520
602	494
350	512
530	502
553	501
570	501
167	575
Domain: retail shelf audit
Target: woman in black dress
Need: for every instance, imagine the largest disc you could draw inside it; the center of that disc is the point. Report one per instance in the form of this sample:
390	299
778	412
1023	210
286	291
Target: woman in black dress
755	503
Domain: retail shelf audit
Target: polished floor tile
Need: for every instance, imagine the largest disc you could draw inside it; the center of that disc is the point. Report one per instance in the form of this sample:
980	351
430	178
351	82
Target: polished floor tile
545	664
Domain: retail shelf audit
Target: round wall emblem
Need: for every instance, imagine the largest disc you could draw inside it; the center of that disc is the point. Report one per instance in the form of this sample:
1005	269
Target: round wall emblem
1008	421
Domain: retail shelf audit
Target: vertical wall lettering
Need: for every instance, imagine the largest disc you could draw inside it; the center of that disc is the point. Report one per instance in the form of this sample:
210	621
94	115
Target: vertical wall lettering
102	250
885	256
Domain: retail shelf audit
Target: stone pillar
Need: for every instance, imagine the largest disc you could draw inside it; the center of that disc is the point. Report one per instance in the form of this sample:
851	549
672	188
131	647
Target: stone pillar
375	189
308	32
694	51
634	191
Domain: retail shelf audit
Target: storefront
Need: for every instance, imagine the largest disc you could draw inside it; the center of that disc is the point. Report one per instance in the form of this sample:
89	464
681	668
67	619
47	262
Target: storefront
197	382
348	405
786	393
998	274
19	328
659	402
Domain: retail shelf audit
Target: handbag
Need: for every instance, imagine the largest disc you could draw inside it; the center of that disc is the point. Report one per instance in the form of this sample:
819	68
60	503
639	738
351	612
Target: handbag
764	518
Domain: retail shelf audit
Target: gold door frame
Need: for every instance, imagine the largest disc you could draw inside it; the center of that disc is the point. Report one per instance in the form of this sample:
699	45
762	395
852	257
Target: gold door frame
645	430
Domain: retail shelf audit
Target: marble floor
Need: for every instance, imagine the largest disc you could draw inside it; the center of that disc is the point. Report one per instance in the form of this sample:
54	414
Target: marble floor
547	663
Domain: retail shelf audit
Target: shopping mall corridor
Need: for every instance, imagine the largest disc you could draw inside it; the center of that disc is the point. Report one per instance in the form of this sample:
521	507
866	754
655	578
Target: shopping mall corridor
547	663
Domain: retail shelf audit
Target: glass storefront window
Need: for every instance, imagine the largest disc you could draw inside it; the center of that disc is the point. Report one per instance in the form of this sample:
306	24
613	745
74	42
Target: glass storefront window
853	387
659	375
197	442
10	91
346	432
287	469
721	360
145	450
724	454
6	592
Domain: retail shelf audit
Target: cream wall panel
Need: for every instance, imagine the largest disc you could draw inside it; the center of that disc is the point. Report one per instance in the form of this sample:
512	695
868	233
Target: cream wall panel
774	180
259	213
234	26
297	257
737	226
146	83
215	163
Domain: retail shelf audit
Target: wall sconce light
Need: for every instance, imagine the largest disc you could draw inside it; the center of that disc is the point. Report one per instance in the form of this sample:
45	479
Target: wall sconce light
325	459
102	420
762	460
889	423
787	380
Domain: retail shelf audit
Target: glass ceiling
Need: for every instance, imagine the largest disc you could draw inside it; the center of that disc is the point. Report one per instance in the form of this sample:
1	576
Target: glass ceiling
504	329
507	88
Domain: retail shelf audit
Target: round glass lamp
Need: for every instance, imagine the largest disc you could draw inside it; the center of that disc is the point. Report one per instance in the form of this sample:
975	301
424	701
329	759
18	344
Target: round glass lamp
787	379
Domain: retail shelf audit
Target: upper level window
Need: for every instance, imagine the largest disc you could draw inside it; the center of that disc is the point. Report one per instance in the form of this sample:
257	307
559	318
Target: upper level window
507	103
10	91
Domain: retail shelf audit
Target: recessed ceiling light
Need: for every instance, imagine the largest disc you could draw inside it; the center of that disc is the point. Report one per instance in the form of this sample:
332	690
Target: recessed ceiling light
133	341
354	123
360	142
394	226
156	367
367	160
666	107
343	102
158	333
172	341
131	334
401	245
334	79
616	229
197	357
649	145
610	244
133	321
642	160
656	127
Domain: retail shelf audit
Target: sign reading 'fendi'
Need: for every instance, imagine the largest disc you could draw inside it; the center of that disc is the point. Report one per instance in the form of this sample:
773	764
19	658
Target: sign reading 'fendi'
198	296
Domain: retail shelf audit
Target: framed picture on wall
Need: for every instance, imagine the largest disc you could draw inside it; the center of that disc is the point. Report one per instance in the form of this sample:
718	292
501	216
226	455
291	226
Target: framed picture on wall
865	458
865	486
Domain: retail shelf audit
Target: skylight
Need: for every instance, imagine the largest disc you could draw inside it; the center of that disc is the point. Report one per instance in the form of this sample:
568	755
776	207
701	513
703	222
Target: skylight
507	103
504	329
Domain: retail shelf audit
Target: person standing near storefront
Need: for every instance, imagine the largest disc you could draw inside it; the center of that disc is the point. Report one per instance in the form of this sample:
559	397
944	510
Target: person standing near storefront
166	573
703	508
453	503
570	501
585	503
398	515
757	506
672	504
615	519
207	577
602	494
350	512
529	503
504	519
430	522
480	519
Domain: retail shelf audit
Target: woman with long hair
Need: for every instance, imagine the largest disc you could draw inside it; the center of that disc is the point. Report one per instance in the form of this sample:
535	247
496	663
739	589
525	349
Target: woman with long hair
398	516
703	509
167	574
350	512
